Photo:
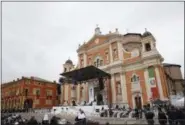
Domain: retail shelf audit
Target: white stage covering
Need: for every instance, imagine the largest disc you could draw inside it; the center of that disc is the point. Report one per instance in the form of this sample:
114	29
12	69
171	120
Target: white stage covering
180	102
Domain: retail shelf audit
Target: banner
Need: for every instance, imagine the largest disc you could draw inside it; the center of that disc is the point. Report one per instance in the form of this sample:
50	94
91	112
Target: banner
155	94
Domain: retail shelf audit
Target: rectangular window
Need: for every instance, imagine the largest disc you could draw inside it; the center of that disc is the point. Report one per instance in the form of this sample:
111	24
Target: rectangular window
48	102
101	62
38	92
37	101
115	53
94	63
82	63
90	61
27	82
48	92
26	92
107	56
118	87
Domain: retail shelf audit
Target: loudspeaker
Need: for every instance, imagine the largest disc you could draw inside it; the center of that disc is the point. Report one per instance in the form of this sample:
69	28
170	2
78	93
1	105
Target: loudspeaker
101	84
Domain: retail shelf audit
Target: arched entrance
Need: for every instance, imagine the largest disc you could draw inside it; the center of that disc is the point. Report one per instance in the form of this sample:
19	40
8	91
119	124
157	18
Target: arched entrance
99	99
138	102
28	103
73	103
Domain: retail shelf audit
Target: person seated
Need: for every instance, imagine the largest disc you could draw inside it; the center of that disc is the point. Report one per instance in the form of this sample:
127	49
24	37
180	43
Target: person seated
32	121
81	118
54	121
45	120
102	113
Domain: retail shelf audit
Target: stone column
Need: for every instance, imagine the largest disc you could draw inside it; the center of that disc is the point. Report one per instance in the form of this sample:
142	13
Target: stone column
85	59
78	92
110	52
66	92
83	92
87	92
143	47
91	95
79	61
159	83
113	89
61	95
124	88
148	87
120	52
73	92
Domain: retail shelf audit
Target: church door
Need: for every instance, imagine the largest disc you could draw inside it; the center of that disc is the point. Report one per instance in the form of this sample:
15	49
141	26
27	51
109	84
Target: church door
138	102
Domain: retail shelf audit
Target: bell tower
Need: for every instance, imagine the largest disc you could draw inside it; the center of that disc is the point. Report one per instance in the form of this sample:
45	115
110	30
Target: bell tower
148	41
68	66
149	45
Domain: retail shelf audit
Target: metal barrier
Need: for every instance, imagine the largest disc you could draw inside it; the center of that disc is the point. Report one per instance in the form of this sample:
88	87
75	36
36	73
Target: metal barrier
103	120
155	122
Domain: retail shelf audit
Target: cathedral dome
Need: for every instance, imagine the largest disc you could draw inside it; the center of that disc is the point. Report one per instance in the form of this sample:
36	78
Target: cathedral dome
69	61
147	33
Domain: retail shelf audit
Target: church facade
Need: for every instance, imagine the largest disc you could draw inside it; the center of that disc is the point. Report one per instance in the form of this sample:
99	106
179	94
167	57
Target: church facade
135	65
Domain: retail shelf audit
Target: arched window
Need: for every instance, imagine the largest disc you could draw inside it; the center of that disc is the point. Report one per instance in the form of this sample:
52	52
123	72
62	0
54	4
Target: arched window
98	61
65	69
135	79
147	47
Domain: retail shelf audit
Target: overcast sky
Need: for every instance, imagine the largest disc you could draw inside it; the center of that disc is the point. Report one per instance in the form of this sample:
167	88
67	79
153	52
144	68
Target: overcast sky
39	37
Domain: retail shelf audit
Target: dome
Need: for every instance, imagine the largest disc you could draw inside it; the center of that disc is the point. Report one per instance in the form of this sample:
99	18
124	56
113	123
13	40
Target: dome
69	61
146	33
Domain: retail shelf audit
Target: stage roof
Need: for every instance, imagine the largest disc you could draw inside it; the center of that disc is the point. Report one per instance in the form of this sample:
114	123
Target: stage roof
86	73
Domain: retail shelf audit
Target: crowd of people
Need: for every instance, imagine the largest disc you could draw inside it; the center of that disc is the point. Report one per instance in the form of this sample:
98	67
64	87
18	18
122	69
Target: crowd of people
15	119
165	114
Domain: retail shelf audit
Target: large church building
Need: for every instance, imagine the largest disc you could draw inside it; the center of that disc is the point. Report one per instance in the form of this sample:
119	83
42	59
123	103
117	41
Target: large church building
132	60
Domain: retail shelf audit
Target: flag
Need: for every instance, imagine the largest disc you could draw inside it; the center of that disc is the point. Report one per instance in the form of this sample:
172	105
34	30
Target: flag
152	82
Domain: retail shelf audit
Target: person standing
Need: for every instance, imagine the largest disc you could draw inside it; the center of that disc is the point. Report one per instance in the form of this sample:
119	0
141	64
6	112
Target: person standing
162	117
172	115
149	115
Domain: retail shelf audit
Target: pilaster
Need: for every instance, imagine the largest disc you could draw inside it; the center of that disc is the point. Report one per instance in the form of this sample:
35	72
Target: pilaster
85	59
148	87
120	52
159	83
110	52
66	92
124	88
113	89
78	93
83	92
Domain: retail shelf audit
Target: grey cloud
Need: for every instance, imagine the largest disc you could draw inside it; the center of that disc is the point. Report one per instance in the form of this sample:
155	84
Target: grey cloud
39	37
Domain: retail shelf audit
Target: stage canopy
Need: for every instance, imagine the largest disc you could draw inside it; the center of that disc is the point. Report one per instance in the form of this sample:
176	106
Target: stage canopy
86	73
